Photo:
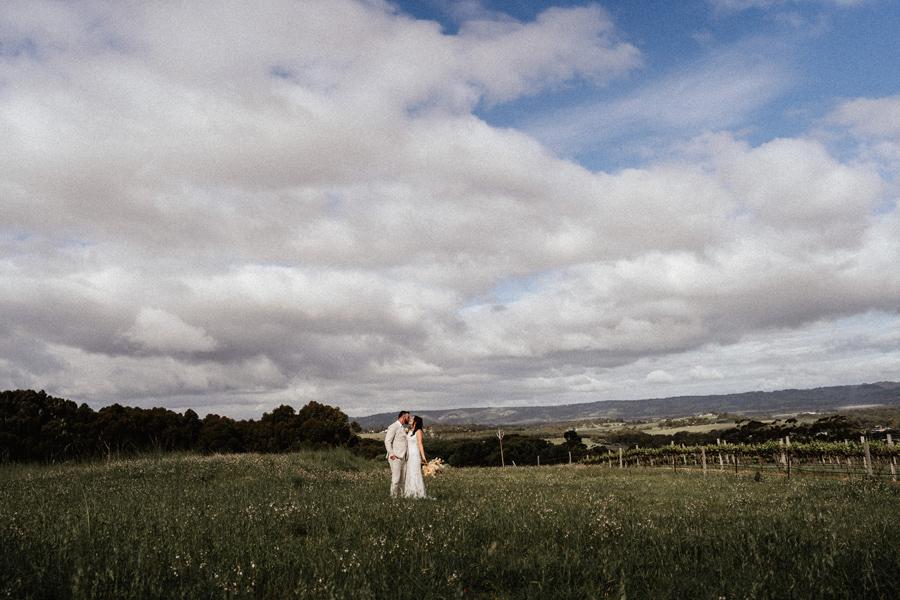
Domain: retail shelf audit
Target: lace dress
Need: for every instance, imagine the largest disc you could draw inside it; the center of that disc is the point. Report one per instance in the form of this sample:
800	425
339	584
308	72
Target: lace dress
415	484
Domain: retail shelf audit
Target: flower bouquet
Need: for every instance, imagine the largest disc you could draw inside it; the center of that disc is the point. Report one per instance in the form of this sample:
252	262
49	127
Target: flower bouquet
433	467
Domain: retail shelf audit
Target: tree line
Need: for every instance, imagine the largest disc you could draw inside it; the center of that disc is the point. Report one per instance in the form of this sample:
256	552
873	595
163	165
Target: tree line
35	426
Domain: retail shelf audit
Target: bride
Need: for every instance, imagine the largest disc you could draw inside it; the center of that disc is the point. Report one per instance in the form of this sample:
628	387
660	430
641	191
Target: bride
415	458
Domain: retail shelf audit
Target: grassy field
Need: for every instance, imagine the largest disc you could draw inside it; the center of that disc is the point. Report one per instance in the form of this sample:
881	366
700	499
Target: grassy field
319	525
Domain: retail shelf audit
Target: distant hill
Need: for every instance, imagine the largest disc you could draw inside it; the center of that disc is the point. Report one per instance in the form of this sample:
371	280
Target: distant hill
824	399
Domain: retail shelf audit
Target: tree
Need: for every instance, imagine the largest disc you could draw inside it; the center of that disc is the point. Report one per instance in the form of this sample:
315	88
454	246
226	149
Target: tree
38	427
324	425
573	440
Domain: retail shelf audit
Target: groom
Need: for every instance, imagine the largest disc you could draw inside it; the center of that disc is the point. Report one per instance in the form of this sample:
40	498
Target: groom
395	444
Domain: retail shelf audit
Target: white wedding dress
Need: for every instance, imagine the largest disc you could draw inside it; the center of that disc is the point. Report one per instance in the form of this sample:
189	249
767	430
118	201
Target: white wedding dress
415	484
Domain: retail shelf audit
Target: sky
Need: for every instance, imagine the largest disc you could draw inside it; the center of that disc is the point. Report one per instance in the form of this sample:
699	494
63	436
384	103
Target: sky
228	206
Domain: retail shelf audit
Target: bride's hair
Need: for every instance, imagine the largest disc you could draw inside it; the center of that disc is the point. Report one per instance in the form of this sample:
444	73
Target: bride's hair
417	423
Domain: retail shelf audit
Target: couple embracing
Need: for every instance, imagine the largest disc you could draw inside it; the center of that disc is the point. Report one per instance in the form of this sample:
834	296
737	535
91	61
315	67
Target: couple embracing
406	455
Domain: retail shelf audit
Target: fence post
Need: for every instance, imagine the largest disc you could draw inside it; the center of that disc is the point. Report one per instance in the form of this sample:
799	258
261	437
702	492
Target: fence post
672	445
890	443
721	462
783	456
703	457
867	456
621	465
570	457
787	443
500	437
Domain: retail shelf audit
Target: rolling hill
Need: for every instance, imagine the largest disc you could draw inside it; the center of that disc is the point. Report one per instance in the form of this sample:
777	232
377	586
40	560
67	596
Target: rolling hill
823	399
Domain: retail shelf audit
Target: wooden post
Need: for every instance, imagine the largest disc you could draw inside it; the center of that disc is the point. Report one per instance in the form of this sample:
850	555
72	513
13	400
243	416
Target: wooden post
703	457
867	456
570	457
787	443
890	443
500	437
721	462
609	457
621	464
539	460
783	456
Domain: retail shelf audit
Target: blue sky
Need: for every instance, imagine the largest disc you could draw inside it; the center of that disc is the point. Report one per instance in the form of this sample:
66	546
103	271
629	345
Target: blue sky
228	206
826	52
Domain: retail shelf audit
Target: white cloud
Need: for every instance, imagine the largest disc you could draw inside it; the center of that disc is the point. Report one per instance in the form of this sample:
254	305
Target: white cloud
705	373
875	122
873	117
158	330
795	184
659	376
509	59
718	91
233	208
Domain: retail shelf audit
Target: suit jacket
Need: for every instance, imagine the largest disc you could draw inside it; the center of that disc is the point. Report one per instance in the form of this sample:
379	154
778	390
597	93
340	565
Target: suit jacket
395	441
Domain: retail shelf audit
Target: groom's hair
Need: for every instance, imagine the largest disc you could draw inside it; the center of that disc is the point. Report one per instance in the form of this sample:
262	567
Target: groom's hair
403	412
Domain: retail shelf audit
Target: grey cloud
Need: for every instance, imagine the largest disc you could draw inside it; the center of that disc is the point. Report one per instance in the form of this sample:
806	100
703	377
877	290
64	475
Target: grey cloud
229	209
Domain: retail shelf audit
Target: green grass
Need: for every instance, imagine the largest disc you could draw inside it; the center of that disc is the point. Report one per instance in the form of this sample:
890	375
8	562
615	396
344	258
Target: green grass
320	525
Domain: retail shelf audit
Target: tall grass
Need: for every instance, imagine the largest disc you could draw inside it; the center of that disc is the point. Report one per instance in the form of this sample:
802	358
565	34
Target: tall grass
320	525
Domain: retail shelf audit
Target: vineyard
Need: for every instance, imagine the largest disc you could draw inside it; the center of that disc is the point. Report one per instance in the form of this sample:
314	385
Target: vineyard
873	459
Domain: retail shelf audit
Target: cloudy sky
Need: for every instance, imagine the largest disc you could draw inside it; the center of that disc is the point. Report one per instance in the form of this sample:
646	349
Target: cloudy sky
229	206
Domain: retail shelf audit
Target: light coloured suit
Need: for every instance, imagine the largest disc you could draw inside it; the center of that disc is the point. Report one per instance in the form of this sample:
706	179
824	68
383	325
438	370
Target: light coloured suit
395	443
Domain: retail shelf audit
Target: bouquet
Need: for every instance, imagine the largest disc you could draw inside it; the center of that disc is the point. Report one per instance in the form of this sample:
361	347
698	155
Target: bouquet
433	467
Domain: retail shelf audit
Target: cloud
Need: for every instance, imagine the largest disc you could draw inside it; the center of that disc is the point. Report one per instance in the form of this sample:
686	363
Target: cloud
158	330
230	209
659	376
718	91
874	124
705	373
872	117
741	5
509	59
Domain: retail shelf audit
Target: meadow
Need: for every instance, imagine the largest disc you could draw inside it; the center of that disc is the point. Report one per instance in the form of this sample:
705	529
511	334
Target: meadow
320	525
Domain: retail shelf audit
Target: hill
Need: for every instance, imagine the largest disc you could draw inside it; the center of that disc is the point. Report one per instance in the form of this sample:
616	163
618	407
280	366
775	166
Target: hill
823	399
